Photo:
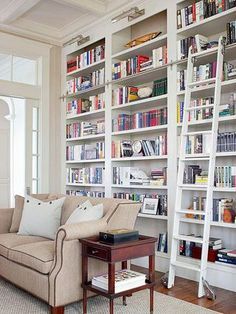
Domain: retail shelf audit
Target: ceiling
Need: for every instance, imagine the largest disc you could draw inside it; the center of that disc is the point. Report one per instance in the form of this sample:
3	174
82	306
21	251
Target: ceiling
53	20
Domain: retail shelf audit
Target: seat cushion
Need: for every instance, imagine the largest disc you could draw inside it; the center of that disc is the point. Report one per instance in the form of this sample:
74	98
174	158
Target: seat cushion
11	240
38	256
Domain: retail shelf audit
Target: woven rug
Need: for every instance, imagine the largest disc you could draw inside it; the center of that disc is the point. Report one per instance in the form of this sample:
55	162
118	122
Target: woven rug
16	301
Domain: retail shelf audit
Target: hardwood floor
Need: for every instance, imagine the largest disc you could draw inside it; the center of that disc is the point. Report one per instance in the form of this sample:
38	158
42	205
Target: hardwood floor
187	290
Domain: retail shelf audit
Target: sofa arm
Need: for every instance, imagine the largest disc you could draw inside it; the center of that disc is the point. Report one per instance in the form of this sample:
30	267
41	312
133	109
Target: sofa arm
5	219
83	229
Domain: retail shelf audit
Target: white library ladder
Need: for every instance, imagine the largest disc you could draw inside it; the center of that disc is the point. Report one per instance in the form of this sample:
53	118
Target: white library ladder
184	159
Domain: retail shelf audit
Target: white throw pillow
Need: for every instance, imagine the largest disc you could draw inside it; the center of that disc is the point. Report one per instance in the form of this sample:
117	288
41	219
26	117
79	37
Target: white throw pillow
41	218
86	212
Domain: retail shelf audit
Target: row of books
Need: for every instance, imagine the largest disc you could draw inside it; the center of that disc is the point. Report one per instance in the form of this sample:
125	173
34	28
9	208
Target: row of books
204	72
97	194
226	142
162	244
226	109
85	151
78	106
84	128
225	176
222	209
136	176
197	44
231	32
226	257
150	147
85	175
86	58
123	95
160	87
81	83
139	63
161	199
200	10
192	249
139	120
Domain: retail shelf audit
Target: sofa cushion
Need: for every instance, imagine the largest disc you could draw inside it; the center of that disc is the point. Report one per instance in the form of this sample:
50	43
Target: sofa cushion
38	256
19	205
41	218
11	240
72	202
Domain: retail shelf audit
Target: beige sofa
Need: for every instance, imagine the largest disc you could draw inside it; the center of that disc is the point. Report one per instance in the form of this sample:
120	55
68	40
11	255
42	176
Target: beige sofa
51	270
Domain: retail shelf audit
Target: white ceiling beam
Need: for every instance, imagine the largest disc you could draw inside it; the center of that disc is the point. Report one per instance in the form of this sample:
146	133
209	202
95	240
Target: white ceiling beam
15	9
91	6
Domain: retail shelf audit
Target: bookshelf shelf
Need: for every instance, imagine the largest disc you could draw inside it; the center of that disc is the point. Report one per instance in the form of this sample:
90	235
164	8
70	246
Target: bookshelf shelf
88	137
87	115
143	187
86	70
159	217
209	25
141	49
195	187
142	104
85	184
87	92
142	130
213	223
85	161
139	158
143	77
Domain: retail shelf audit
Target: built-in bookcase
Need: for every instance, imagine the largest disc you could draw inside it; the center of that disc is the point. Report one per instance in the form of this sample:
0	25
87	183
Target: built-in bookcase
162	78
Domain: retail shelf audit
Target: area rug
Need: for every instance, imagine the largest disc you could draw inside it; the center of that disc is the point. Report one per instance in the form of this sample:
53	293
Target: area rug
16	301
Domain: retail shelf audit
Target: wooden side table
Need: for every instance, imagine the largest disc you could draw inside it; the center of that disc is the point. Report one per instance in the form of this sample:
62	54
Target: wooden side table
111	254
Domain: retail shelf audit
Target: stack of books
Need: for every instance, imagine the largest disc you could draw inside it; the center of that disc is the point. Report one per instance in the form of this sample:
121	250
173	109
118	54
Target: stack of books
97	102
159	56
85	175
86	151
204	72
190	173
198	144
73	130
92	128
201	10
162	244
77	106
158	176
124	280
197	43
226	257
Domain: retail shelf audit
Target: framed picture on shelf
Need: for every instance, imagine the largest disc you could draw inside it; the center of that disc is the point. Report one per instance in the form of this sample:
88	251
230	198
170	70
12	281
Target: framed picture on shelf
150	206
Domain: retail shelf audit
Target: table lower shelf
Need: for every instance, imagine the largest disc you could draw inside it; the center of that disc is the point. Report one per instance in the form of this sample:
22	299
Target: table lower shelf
112	296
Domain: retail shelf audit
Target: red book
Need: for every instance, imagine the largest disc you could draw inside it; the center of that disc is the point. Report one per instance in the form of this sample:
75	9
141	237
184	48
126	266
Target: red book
140	60
197	251
194	12
232	253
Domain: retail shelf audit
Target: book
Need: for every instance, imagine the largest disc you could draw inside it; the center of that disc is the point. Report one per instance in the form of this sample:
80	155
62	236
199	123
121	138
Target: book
232	253
124	280
118	236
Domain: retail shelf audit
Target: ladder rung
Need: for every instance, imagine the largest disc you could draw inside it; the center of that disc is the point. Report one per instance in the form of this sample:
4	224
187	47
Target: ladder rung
195	158
186	265
200	107
190	211
188	238
204	82
198	132
193	187
205	52
191	157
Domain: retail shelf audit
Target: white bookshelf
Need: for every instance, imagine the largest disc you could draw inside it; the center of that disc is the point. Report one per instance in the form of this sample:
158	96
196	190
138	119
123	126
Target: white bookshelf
159	16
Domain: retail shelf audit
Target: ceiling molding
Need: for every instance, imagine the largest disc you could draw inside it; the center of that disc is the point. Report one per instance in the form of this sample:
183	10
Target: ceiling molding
92	6
15	9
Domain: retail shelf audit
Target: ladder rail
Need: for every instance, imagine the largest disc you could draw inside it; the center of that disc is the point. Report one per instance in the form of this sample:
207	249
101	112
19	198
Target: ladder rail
211	168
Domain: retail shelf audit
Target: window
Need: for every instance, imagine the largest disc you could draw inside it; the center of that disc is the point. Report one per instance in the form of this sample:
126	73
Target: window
18	69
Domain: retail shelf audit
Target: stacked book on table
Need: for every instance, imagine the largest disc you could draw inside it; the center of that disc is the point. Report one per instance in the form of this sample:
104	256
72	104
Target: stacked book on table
124	280
226	257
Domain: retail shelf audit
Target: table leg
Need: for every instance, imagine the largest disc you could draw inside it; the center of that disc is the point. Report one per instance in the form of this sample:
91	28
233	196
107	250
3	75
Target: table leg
124	266
111	284
151	279
84	278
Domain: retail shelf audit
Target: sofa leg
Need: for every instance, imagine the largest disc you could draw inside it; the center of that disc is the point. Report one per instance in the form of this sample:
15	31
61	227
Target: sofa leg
57	309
